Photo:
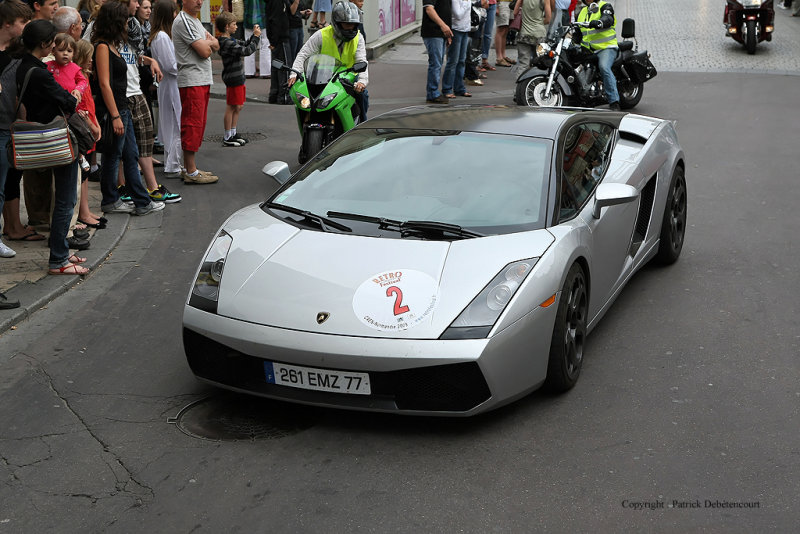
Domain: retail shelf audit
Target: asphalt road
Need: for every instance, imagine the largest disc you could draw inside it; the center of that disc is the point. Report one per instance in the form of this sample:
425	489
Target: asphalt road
689	392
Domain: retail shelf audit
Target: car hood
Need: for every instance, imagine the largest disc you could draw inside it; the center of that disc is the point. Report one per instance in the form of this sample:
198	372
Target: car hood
279	275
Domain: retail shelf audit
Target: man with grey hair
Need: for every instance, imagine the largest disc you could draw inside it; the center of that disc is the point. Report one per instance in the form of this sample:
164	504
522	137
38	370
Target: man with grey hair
67	20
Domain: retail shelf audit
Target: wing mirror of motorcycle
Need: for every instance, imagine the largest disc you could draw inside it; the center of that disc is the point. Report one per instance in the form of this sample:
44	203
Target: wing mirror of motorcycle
278	171
612	195
628	29
360	66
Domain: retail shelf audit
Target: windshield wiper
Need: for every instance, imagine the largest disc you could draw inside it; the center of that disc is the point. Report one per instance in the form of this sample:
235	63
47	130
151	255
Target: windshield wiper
323	222
427	228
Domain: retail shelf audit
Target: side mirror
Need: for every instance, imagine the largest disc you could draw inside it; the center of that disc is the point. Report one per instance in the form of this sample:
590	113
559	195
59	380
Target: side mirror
628	29
277	170
278	64
361	66
612	195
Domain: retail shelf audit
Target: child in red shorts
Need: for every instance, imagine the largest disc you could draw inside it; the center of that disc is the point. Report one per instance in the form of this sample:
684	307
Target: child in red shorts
233	52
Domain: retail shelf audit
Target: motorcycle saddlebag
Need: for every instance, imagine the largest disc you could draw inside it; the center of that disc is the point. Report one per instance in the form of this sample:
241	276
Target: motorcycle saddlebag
640	68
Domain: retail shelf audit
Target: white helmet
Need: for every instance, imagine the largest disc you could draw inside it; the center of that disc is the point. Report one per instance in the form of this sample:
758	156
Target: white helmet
345	12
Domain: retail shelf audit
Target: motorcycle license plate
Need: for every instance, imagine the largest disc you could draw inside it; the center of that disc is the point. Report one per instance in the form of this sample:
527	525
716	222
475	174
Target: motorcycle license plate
295	376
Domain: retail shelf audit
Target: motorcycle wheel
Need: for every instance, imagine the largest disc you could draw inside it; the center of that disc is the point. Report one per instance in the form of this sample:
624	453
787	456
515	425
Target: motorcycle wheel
751	37
531	93
312	143
630	94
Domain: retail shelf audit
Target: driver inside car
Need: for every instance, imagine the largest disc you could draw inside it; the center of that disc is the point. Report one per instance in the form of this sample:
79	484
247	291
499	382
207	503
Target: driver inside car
601	38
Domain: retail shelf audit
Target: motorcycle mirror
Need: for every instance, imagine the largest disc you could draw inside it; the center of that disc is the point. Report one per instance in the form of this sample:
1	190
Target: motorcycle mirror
277	170
278	64
361	66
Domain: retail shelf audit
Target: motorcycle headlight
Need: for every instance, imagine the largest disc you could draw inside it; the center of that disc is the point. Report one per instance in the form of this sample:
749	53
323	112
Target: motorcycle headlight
478	318
751	3
205	292
325	101
303	100
542	49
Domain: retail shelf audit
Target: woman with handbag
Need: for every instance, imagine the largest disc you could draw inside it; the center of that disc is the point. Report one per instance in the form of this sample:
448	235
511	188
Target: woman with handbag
44	100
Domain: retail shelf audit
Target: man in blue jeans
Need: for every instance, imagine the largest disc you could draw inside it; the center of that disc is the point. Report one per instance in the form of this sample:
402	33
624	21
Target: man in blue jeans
436	34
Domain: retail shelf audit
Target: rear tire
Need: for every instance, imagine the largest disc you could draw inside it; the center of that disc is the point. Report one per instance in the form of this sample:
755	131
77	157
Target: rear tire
630	94
751	38
531	93
673	224
569	333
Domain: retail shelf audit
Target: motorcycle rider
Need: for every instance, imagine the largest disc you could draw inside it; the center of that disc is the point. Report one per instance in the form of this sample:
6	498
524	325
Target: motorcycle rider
339	40
601	38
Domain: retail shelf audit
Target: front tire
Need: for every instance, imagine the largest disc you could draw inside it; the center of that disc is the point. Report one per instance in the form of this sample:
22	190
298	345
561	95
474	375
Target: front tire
673	224
530	93
312	143
569	333
630	94
750	37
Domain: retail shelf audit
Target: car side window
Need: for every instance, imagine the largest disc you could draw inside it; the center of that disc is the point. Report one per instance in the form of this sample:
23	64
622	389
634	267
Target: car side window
587	151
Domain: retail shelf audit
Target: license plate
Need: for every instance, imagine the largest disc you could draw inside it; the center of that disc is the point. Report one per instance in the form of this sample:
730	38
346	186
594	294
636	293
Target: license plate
317	379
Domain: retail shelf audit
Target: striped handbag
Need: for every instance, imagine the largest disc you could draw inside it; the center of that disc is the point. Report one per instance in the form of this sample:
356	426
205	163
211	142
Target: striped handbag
34	145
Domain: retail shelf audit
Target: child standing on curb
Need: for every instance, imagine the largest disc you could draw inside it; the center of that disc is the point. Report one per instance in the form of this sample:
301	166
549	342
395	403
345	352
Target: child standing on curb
233	52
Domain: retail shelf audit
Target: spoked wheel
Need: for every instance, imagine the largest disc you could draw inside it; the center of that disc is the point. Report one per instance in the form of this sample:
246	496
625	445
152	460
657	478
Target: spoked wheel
569	333
630	94
750	37
673	225
531	93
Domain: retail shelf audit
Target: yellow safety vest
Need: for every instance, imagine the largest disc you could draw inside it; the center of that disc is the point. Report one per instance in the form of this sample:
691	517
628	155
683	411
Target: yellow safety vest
329	48
593	38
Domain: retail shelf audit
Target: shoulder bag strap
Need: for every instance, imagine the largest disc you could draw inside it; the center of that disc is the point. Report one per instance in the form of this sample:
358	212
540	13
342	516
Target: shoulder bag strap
22	92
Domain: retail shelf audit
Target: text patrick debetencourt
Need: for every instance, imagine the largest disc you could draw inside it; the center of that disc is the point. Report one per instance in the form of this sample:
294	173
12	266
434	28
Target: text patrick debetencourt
662	504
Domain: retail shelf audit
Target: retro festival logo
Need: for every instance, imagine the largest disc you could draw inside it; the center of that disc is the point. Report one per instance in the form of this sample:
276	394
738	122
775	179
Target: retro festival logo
395	300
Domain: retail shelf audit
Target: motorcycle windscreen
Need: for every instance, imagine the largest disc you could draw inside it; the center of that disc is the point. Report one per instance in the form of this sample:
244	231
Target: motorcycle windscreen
320	68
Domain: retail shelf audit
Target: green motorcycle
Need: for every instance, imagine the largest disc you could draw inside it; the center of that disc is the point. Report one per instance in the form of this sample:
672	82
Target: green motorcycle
324	99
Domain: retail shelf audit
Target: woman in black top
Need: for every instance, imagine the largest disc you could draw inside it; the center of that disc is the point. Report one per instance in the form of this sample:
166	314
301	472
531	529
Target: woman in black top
44	99
112	79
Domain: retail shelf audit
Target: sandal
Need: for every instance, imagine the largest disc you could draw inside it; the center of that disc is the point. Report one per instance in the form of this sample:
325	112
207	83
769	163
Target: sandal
465	94
450	95
313	25
69	269
502	63
74	259
486	66
508	59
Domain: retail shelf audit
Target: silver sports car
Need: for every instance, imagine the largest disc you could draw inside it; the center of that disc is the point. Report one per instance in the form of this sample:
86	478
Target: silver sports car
437	261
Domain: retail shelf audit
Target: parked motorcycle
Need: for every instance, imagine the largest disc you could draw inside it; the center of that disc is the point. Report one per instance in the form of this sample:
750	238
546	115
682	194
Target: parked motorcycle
749	22
564	73
325	101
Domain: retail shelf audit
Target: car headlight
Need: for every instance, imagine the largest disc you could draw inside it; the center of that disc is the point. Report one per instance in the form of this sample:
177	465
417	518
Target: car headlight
325	101
303	100
478	318
205	292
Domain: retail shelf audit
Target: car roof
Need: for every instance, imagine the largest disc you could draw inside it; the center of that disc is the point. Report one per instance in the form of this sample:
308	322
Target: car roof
497	119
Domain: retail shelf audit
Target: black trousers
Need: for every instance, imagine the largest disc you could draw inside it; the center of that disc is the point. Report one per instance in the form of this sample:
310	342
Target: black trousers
278	87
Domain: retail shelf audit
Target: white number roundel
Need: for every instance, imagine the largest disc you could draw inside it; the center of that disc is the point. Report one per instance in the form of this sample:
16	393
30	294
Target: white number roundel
395	300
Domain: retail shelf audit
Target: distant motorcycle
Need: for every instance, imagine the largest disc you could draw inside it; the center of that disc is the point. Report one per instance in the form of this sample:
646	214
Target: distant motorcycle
564	73
749	22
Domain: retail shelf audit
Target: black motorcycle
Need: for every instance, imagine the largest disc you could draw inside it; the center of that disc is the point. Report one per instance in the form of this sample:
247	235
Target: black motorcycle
564	73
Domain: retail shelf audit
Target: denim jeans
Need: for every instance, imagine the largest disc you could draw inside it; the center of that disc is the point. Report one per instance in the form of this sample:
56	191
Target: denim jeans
295	43
606	58
128	152
456	58
5	137
488	28
66	194
435	48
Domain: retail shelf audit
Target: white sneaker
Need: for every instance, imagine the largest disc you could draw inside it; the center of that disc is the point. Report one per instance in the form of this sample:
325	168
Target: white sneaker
6	251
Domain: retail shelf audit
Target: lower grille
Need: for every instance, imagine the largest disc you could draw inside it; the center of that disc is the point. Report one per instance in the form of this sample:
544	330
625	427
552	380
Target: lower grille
456	387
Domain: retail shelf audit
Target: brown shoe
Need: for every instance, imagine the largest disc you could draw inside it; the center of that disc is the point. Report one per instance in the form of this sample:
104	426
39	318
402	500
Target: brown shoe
199	178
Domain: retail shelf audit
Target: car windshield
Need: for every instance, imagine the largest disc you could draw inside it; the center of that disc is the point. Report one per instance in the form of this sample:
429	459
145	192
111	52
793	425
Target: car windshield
319	68
486	183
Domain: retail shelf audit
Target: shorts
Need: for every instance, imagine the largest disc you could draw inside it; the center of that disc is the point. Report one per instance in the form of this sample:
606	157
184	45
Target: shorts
234	96
503	15
194	113
142	125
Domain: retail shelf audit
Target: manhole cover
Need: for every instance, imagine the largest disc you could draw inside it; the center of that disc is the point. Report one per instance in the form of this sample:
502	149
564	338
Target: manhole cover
230	417
250	136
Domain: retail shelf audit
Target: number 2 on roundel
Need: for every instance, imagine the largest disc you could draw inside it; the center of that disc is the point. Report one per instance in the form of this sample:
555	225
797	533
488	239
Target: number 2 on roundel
399	308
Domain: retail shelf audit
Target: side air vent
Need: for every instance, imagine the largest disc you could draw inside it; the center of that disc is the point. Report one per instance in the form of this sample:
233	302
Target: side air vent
645	213
630	136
